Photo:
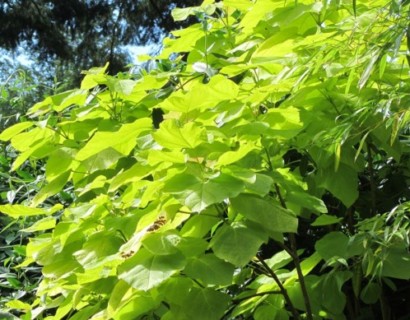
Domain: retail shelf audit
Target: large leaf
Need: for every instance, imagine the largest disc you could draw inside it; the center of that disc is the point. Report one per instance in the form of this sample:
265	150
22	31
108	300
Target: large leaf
237	243
343	183
97	248
333	299
396	264
333	245
171	135
14	130
135	306
41	225
145	270
198	194
210	270
18	210
58	162
162	243
135	173
306	200
123	140
267	213
205	304
52	188
234	156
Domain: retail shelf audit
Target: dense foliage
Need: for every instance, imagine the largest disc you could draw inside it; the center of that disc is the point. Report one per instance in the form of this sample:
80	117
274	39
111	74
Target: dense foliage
259	171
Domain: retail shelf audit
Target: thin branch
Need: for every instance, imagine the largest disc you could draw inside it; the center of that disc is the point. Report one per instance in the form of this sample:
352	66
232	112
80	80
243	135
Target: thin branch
296	260
283	290
236	301
281	200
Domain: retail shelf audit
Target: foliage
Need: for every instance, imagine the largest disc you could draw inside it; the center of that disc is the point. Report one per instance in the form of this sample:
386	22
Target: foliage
20	88
274	184
18	92
15	282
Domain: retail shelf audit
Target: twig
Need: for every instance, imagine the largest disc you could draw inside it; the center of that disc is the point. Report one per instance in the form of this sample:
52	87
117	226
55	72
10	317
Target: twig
282	288
296	260
257	295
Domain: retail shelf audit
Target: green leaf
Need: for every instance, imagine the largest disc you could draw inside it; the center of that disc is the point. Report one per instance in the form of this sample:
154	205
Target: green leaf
18	210
369	69
52	188
135	173
145	270
295	293
19	305
333	298
234	156
98	248
199	225
205	304
305	200
161	156
162	243
279	260
58	162
237	243
123	140
210	270
371	293
284	122
122	86
10	132
198	194
343	184
256	183
325	220
101	160
181	14
396	264
333	244
265	53
86	312
242	5
170	135
41	225
307	265
267	213
34	138
267	312
116	297
135	306
202	96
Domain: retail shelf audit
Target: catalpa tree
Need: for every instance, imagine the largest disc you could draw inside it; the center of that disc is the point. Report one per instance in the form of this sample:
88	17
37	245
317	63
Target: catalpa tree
259	171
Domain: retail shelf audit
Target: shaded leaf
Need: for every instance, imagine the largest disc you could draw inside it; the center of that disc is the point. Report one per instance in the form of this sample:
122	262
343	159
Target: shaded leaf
145	270
237	243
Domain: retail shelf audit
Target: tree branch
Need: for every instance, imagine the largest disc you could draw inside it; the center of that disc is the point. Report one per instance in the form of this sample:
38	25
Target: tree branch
283	290
296	260
236	301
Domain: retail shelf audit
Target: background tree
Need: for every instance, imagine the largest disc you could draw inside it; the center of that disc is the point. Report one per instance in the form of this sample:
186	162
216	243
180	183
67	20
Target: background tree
85	33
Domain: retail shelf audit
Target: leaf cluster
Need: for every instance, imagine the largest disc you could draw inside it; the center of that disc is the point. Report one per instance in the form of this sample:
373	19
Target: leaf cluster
265	188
